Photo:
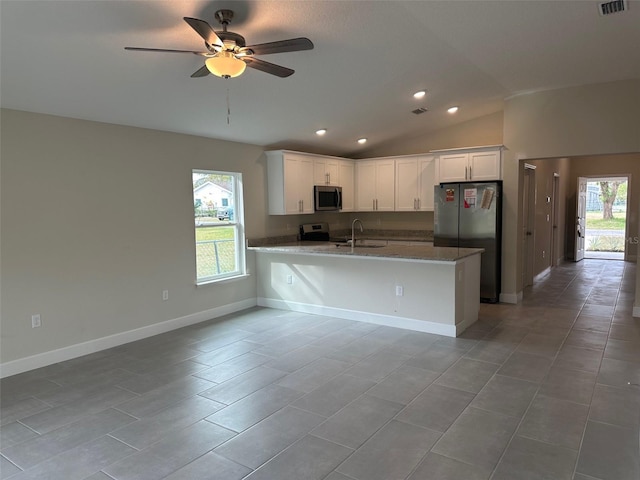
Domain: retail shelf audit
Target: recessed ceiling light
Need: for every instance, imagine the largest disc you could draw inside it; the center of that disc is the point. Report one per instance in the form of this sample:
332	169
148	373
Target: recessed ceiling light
452	109
420	94
362	141
321	132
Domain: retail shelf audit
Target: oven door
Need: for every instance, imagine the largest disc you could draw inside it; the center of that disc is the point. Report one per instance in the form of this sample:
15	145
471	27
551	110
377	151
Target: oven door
327	198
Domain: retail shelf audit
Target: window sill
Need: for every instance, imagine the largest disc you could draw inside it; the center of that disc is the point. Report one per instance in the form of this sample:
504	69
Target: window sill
218	281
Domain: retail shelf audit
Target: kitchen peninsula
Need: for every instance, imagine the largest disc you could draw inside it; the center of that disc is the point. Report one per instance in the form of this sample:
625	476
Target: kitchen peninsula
424	288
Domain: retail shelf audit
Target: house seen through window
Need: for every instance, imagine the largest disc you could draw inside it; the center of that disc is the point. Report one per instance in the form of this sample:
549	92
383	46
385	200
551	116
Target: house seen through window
217	204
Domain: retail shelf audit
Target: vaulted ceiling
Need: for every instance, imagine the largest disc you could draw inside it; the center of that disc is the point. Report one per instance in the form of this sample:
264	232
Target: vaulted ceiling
67	58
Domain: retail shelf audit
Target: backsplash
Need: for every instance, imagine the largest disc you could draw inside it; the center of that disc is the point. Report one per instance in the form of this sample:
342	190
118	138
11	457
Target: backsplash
379	234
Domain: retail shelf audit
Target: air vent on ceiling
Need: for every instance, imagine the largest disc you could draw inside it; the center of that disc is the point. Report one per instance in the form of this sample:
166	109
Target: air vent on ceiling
615	6
418	111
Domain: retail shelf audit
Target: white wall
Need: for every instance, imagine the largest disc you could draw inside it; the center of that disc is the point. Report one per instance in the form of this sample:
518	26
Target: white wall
486	130
97	220
586	120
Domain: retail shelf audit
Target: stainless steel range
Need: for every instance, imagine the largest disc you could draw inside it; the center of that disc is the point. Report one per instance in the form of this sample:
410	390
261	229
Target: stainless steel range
314	232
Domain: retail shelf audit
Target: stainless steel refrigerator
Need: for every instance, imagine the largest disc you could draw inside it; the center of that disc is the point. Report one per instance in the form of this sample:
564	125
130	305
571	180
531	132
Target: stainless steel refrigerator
469	215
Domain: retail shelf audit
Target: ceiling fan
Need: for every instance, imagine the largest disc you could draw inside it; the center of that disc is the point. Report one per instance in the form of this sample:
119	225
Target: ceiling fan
228	55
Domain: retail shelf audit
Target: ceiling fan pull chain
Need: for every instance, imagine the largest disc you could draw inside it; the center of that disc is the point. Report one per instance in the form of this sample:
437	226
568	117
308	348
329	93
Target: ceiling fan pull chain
228	109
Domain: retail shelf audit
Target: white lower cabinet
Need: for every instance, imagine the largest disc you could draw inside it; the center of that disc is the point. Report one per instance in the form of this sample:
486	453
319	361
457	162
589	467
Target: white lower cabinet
375	185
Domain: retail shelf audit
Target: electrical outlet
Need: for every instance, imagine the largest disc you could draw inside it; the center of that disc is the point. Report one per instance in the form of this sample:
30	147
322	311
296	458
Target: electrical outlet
289	279
399	291
36	321
165	295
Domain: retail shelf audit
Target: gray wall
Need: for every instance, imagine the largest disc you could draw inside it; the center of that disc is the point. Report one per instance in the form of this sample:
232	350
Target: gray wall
97	220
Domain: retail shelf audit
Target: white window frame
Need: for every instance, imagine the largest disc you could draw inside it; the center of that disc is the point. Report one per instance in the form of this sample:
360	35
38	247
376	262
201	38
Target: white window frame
238	224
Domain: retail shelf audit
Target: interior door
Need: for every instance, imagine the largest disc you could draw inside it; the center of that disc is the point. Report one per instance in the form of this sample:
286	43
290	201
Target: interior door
528	224
554	220
581	218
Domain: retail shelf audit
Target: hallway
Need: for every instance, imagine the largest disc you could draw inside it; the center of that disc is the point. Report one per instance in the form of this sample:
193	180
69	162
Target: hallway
537	390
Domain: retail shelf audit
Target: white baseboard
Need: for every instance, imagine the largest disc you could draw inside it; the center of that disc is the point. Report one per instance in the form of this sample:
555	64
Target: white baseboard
513	298
462	326
67	353
375	318
546	271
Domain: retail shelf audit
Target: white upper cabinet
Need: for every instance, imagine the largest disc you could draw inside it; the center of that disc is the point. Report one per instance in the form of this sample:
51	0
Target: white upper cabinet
485	165
414	179
469	164
326	171
346	171
292	176
290	182
402	184
375	185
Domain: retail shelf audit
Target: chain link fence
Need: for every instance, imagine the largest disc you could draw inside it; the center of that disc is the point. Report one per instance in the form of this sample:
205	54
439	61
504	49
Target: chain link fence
214	257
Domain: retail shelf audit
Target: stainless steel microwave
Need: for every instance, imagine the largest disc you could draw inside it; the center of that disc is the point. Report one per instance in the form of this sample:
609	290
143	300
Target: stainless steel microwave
327	198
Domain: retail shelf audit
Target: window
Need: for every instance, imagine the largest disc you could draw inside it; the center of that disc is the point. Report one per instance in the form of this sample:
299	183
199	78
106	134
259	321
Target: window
217	204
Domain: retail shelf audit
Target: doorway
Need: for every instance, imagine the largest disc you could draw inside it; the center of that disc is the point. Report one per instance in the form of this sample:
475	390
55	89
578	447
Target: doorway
606	217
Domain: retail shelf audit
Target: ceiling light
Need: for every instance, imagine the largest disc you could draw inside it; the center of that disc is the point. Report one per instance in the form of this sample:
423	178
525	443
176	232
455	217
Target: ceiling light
452	109
321	132
362	141
420	94
224	64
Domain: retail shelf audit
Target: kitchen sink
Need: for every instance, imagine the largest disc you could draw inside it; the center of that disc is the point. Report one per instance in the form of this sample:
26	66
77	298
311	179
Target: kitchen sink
360	244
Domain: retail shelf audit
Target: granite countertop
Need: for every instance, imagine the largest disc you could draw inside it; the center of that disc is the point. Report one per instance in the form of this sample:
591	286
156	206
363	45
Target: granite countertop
426	253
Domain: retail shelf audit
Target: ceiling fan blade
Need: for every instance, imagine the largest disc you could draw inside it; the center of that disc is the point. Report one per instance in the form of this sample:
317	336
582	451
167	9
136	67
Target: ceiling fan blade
291	45
204	30
201	72
141	49
267	67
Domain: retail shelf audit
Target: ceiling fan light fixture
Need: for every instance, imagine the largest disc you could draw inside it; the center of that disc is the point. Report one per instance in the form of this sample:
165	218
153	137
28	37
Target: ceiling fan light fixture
224	64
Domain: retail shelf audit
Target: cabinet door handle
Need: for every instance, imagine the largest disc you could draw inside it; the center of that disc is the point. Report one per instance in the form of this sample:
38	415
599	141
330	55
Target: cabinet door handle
470	176
465	172
418	203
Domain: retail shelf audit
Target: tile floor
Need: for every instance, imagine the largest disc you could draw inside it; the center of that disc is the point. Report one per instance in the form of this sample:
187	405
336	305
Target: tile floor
533	391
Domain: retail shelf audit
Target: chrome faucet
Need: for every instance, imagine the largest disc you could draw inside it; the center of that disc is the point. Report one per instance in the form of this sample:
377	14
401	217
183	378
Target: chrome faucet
353	232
